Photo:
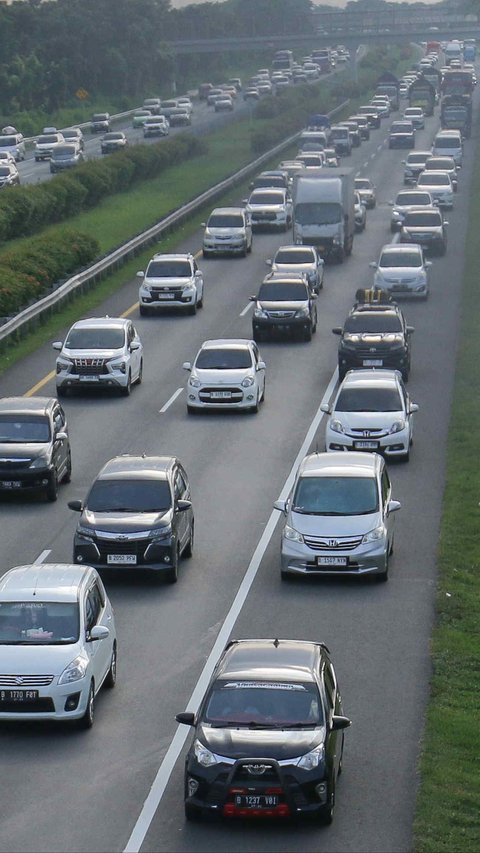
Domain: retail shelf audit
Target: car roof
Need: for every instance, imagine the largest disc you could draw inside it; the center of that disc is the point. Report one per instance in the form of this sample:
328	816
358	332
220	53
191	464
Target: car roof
370	378
228	210
44	582
175	256
294	247
142	467
232	343
101	322
370	308
398	248
340	464
270	660
26	405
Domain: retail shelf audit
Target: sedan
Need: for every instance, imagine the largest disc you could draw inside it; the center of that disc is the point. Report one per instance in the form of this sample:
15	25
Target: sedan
270	208
405	200
372	411
366	191
427	227
402	271
114	141
439	185
226	374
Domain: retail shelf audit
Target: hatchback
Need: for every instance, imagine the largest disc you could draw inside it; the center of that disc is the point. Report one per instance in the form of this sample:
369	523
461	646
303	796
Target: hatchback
402	271
226	374
58	644
439	185
156	125
66	157
371	411
9	174
339	518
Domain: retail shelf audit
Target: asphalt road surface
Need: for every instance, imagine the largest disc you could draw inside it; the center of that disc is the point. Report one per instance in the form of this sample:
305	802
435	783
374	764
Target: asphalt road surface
65	790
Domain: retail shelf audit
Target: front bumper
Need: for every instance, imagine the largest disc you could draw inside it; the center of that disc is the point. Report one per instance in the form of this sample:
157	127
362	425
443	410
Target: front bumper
104	380
233	398
143	554
391	445
161	300
299	559
54	702
24	479
224	247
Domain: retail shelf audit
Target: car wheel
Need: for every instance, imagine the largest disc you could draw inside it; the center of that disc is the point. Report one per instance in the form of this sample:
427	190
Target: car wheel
140	373
341	255
327	812
192	309
111	677
257	336
206	253
340	763
392	544
286	576
406	456
200	301
144	311
307	333
68	473
192	814
86	722
188	552
249	248
61	391
128	387
254	409
243	253
171	576
383	576
341	374
52	488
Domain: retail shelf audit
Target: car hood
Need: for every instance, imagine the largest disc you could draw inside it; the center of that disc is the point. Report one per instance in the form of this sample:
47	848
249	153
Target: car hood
334	525
37	660
169	282
367	420
90	355
253	743
391	273
125	522
22	452
221	377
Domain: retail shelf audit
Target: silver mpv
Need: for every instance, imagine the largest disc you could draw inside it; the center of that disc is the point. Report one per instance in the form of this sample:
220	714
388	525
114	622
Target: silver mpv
339	517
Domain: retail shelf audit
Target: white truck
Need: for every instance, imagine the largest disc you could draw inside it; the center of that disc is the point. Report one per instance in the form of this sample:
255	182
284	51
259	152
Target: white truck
324	210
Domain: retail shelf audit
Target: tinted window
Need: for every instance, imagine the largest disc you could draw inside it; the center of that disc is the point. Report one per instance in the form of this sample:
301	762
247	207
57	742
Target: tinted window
129	496
283	292
64	151
361	184
399	259
446	143
21	429
294	256
312	213
404	127
7	141
4	171
264	703
169	269
411	199
225	220
369	400
48	140
373	323
336	496
422	219
417	158
95	339
39	623
224	359
267	198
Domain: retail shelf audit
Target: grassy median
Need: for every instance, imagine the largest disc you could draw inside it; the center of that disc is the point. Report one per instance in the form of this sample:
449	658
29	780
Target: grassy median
448	806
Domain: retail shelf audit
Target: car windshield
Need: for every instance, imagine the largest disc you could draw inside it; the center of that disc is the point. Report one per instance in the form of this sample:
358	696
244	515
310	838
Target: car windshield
100	338
129	496
64	152
369	400
401	127
417	159
34	623
100	117
264	704
361	184
399	259
267	198
336	496
446	143
444	164
24	429
411	199
225	220
113	136
169	269
339	133
413	220
434	180
4	171
269	182
71	134
7	141
228	358
294	256
318	213
292	291
376	323
47	140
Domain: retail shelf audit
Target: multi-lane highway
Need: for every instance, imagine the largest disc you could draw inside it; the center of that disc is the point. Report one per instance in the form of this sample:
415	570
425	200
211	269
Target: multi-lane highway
65	790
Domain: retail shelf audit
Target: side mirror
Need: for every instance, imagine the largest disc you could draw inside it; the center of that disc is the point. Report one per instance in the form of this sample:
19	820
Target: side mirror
77	506
445	223
186	718
326	408
321	262
269	262
182	506
428	264
244	200
391	203
281	505
203	224
61	436
339	723
98	632
410	330
186	365
140	274
337	330
393	506
57	345
413	407
373	265
261	365
134	346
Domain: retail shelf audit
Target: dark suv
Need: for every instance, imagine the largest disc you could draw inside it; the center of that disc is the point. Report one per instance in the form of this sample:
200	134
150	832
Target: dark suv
138	514
268	735
284	303
34	447
374	335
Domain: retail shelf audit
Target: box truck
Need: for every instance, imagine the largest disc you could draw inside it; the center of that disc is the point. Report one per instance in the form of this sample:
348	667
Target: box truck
324	210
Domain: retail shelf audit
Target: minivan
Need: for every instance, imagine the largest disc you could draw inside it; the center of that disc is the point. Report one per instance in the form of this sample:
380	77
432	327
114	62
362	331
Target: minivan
448	143
14	144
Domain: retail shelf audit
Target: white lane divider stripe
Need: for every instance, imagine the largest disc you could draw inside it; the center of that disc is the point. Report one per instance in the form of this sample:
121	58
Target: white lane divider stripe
170	401
42	557
246	309
165	770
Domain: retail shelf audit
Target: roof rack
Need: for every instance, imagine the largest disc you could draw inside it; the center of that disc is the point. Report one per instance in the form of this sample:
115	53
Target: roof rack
372	296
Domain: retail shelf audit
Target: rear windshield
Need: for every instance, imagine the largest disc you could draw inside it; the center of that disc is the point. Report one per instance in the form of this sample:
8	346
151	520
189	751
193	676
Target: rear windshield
24	429
64	151
399	259
228	358
376	323
269	182
369	400
362	184
35	623
169	269
129	496
283	292
336	496
445	164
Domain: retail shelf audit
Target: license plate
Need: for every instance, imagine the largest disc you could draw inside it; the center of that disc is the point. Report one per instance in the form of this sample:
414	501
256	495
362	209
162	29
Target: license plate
10	484
373	362
366	445
121	559
256	801
88	378
332	561
165	296
221	395
18	695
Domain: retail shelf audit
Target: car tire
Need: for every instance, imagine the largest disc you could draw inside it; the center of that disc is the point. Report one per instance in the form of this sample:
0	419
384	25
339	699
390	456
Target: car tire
382	577
192	814
327	812
188	552
144	311
127	390
249	248
52	488
200	301
192	309
253	410
206	254
140	374
86	722
61	391
307	333
171	576
68	473
192	410
243	253
286	576
111	677
258	336
341	374
392	546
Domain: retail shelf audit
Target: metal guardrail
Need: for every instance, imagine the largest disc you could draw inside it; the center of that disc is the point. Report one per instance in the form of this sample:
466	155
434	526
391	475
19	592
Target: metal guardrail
79	281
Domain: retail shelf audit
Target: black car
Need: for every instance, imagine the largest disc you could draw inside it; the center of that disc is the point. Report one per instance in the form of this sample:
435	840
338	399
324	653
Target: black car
269	734
284	304
138	515
34	446
427	227
374	335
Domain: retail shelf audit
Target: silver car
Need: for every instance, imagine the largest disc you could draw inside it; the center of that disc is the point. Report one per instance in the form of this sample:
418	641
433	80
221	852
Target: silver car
339	517
299	259
405	200
228	231
401	270
372	411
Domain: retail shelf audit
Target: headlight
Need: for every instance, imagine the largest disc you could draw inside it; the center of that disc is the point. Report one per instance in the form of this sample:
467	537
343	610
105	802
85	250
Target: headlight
374	535
195	383
189	288
292	534
85	531
312	759
75	671
40	462
147	287
397	426
336	426
118	365
63	363
203	755
161	533
303	312
259	313
247	382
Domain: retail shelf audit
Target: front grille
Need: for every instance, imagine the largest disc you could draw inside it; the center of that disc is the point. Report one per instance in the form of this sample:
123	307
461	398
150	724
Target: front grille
379	351
42	705
367	432
280	315
242	776
263	217
89	366
332	544
111	547
20	681
172	289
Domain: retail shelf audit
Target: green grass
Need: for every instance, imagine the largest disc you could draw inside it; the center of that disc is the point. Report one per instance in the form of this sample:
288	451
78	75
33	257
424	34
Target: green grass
448	806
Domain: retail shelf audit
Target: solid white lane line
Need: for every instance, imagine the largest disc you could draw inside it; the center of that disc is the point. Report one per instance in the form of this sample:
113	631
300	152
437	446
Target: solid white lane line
246	309
170	401
42	557
165	770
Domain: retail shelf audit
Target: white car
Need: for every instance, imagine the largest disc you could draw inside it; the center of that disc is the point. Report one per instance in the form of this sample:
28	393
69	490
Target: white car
439	185
227	231
366	191
414	164
444	164
401	270
270	208
58	643
372	411
226	374
45	145
405	200
171	281
416	116
448	143
101	352
360	212
156	126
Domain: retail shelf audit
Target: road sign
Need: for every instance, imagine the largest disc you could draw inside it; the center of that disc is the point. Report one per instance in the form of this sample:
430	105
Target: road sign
81	94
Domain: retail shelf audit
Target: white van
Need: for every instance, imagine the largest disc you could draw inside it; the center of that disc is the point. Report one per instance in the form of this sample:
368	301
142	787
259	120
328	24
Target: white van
448	143
14	144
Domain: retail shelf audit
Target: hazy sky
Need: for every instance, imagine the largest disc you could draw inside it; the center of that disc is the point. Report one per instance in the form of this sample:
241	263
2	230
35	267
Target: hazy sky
338	3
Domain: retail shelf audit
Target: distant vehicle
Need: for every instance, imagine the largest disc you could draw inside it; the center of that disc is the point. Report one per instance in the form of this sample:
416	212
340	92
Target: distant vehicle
9	174
100	123
153	104
402	271
74	134
113	141
139	117
45	145
66	157
227	231
155	126
226	374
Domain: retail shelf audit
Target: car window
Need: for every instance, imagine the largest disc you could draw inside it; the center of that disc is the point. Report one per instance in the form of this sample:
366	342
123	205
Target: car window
95	338
24	429
38	623
336	496
329	687
179	486
230	358
58	419
263	702
369	400
376	323
160	268
93	607
385	486
129	496
391	259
